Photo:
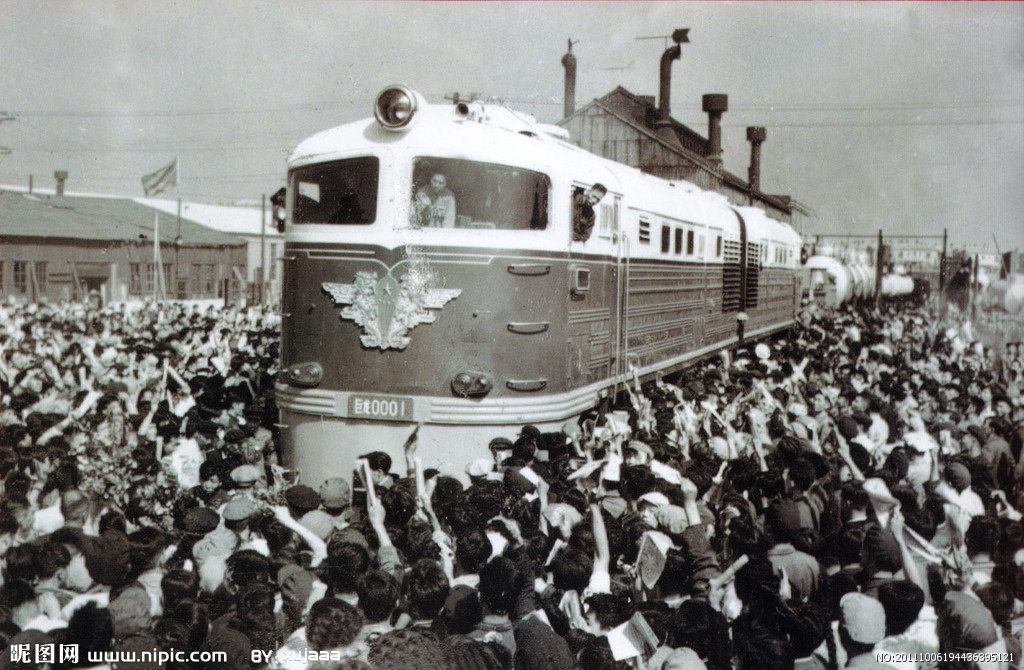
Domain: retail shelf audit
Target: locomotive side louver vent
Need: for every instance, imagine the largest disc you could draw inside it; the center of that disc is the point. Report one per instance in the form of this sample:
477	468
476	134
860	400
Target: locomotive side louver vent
645	231
753	273
731	297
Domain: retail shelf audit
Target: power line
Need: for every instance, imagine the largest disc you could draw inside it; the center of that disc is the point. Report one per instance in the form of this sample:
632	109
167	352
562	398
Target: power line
305	107
886	124
338	106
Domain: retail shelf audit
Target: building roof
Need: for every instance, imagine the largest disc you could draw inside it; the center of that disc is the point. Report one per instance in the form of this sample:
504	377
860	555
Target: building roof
236	220
99	218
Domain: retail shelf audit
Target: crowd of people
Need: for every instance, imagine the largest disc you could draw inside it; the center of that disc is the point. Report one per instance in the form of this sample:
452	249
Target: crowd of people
849	496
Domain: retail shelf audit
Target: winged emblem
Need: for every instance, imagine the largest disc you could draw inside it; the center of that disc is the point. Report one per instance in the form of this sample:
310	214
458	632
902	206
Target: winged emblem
388	308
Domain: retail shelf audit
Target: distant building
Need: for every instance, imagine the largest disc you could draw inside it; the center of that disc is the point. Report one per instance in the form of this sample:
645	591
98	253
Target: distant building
64	247
243	222
989	260
630	129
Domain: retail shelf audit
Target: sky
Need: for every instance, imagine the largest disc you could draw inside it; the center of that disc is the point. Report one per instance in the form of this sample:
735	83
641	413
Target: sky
901	116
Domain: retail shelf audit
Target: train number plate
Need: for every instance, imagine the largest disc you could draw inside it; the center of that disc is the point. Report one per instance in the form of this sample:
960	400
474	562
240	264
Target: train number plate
382	408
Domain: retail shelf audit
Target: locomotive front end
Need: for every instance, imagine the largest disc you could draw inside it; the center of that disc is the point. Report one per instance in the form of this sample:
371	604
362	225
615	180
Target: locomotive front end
419	277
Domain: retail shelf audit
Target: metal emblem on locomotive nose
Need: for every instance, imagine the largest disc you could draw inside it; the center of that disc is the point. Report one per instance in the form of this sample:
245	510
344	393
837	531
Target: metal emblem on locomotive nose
386	308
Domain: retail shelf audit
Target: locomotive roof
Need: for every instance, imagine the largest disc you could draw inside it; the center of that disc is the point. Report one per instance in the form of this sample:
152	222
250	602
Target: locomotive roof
490	128
517	138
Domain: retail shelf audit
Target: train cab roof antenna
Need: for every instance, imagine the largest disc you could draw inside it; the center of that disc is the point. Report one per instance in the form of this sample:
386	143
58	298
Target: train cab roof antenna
679	36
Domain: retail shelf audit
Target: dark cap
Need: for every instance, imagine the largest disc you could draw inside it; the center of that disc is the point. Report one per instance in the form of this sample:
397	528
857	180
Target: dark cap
200	521
958	476
500	444
302	497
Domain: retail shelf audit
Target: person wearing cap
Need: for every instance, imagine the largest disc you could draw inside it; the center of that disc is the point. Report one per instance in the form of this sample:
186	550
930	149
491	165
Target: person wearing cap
861	627
238	514
965	626
301	499
478	470
336	500
782	523
245	476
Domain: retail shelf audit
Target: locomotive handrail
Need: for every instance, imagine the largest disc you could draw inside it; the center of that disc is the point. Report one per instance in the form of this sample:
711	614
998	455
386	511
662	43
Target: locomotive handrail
529	327
624	242
617	368
530	269
526	384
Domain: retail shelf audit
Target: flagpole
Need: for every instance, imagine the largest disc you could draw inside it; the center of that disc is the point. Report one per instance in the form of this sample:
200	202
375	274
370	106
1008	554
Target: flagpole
159	290
156	254
263	242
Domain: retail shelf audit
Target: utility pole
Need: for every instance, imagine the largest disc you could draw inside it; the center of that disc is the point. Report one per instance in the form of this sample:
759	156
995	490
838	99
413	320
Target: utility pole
263	242
878	271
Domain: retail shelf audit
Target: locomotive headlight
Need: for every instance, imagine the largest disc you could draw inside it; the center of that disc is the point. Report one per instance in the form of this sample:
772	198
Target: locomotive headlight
395	107
305	374
471	385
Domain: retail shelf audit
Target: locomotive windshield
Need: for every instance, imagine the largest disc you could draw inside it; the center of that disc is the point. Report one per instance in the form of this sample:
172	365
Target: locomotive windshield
455	193
342	191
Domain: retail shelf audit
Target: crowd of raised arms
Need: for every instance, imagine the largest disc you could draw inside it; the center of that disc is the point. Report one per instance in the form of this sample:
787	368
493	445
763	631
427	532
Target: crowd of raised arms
848	496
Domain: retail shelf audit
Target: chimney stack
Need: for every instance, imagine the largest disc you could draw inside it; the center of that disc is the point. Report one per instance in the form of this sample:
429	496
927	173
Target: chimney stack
756	135
569	96
61	176
715	104
30	184
665	74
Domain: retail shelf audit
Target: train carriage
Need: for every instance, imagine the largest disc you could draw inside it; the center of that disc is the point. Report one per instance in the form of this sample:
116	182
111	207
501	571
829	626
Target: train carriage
431	276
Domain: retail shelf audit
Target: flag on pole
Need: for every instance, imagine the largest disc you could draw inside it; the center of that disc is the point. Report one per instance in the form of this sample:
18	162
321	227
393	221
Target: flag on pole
155	182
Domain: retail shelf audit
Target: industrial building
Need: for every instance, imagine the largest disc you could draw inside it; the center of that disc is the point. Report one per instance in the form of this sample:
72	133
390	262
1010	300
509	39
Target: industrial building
56	247
633	130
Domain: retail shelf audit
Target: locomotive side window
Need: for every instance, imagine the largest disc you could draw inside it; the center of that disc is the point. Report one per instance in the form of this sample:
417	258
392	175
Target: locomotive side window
679	241
689	242
456	193
342	192
666	239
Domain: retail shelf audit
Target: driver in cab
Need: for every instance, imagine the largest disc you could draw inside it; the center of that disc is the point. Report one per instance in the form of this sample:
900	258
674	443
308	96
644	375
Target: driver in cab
433	206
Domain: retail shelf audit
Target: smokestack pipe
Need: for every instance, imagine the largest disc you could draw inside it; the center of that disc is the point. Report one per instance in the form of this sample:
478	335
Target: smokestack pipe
569	96
61	176
715	104
30	184
665	80
756	135
679	36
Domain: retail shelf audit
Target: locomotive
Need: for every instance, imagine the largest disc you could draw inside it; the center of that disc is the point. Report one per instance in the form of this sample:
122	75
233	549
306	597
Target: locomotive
465	269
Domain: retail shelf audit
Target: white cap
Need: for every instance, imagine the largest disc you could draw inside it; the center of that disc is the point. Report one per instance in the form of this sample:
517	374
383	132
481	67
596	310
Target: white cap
480	467
655	498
